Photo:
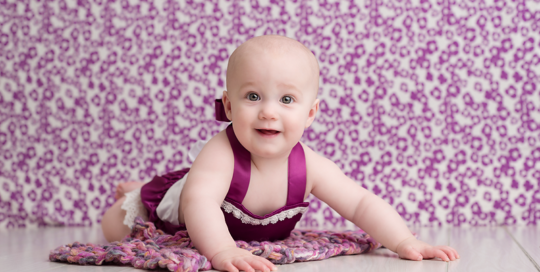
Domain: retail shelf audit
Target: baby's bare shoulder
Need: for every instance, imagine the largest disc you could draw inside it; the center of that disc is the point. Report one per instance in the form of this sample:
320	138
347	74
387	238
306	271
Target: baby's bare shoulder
319	169
216	155
211	173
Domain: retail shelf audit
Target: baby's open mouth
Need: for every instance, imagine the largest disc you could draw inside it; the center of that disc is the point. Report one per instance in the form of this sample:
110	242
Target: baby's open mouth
267	131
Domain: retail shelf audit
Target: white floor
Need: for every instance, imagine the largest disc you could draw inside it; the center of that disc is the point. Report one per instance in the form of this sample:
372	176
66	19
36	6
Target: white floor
481	249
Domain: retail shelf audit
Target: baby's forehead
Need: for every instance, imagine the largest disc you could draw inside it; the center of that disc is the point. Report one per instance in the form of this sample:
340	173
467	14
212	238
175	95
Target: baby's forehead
273	46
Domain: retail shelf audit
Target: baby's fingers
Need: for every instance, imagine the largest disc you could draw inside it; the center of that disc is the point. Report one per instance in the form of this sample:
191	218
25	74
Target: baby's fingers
230	267
435	252
450	252
251	264
242	265
261	264
268	264
410	253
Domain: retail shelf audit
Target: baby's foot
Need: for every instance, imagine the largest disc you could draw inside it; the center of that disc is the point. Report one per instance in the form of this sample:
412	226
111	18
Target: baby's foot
126	187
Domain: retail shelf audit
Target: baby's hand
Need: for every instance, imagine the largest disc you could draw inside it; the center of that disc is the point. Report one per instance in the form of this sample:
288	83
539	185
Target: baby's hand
234	259
416	250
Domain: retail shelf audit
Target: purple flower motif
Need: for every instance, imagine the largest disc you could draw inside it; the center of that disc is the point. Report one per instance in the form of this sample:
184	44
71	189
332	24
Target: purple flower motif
132	96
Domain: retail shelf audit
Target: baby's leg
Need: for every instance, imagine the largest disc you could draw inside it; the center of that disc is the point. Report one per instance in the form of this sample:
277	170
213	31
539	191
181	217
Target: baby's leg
112	222
126	187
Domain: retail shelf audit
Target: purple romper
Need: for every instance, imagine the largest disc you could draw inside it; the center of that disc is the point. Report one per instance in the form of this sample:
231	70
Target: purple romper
242	224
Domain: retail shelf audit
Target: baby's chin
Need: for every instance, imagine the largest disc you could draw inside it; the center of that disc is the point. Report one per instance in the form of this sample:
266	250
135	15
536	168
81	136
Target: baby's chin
269	151
268	156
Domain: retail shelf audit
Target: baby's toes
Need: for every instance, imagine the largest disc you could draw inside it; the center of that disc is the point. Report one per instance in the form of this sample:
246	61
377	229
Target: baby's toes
131	185
126	187
119	191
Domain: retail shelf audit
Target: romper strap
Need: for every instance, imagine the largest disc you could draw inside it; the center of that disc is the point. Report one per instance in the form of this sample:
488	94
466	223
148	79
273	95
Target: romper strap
296	175
242	168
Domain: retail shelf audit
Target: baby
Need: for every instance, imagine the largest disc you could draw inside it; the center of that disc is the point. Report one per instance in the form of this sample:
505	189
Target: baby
249	181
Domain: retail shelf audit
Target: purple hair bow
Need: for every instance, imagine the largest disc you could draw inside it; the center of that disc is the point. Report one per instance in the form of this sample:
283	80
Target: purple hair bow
220	111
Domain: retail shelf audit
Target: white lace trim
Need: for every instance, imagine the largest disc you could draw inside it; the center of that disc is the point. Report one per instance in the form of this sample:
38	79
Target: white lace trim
246	219
133	207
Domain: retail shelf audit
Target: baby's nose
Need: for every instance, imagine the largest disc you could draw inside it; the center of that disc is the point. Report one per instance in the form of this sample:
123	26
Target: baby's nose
268	111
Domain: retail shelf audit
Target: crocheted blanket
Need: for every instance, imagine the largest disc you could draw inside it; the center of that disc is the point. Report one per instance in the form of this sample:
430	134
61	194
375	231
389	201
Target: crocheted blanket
150	248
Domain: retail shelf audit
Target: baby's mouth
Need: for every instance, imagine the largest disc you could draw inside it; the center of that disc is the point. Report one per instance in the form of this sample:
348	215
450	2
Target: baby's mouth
268	131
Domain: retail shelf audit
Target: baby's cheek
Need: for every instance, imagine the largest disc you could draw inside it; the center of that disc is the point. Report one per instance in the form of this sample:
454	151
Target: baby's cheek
295	132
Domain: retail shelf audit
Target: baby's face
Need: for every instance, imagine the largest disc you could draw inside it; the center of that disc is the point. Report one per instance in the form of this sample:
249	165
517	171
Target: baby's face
272	100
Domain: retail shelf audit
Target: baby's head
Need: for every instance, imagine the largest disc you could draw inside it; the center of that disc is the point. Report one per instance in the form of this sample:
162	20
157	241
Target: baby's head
274	45
271	97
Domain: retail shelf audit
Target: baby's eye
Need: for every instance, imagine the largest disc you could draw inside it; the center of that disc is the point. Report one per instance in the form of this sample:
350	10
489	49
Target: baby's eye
253	97
286	99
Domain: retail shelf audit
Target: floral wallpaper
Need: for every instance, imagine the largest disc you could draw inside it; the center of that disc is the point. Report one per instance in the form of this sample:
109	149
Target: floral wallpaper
431	104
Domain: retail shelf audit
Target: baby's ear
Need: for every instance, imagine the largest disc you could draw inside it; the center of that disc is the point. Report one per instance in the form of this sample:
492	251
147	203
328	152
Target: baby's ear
227	104
312	112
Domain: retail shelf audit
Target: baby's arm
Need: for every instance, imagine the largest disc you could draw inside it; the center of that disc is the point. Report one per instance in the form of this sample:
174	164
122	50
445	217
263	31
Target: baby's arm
206	186
368	211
